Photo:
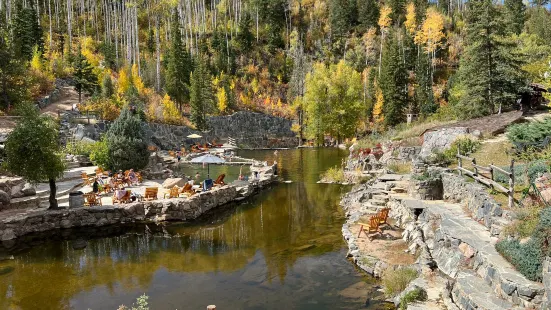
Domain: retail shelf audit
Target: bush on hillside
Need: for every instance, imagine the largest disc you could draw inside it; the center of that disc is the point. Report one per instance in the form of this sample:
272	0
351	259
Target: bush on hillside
528	257
466	145
99	153
127	142
521	171
530	132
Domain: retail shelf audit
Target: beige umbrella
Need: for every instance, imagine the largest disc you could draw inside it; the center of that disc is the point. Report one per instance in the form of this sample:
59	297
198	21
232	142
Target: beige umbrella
194	136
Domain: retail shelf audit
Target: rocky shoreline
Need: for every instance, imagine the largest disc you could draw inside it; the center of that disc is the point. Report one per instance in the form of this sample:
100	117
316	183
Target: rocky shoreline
177	209
449	242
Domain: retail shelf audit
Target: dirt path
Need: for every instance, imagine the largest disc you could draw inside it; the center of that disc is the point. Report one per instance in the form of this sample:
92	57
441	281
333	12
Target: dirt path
67	97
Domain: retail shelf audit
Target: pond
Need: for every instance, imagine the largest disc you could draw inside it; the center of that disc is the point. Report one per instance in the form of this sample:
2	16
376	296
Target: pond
281	249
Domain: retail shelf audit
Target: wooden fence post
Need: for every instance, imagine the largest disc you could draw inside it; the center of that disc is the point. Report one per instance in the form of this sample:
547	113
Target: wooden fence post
475	168
459	162
512	184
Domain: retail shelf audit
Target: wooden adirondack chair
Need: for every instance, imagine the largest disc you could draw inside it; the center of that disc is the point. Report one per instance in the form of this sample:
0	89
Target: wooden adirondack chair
92	199
372	227
220	180
172	154
383	216
174	192
151	193
86	180
99	171
187	190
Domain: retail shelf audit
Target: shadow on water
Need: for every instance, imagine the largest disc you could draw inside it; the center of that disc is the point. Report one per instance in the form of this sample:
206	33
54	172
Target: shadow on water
282	248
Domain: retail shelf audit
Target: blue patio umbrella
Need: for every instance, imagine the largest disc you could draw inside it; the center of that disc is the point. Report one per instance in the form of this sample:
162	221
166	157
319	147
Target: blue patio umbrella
208	159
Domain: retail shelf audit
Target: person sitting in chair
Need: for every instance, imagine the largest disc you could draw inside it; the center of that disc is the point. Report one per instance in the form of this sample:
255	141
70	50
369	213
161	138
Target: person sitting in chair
132	177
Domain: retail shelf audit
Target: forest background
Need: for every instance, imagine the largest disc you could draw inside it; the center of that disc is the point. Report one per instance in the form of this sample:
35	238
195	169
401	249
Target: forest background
339	67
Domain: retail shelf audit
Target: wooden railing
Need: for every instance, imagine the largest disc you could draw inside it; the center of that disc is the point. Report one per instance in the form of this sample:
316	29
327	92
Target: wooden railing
485	175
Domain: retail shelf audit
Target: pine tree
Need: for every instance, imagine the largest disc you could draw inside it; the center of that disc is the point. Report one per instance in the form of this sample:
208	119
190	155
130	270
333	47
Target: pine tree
27	33
342	16
245	37
398	11
126	142
107	87
368	14
393	82
13	88
85	79
515	15
490	73
202	97
178	67
371	97
423	91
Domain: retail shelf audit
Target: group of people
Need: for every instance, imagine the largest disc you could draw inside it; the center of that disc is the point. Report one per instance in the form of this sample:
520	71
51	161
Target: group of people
116	180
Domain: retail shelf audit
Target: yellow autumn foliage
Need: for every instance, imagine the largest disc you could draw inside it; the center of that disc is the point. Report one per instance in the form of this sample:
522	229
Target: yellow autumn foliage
222	100
432	30
410	23
171	113
378	116
384	17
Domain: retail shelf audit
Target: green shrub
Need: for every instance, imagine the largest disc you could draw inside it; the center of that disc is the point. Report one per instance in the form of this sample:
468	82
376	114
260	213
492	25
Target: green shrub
395	281
529	132
465	145
527	257
333	174
417	294
99	153
127	142
533	170
78	148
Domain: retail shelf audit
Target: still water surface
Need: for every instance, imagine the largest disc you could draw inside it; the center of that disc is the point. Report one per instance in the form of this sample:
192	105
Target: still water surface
281	249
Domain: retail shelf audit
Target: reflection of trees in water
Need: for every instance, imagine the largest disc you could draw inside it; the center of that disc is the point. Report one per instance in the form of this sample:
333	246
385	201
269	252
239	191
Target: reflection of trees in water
285	223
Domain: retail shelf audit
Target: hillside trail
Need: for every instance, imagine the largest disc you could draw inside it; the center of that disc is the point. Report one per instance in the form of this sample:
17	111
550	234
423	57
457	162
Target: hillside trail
67	97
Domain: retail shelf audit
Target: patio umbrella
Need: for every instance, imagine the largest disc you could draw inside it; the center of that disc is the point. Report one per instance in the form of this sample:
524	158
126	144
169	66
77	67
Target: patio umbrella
208	159
194	136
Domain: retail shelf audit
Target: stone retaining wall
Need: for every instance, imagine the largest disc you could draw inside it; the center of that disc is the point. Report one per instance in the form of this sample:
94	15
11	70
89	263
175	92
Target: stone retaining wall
181	209
476	199
249	129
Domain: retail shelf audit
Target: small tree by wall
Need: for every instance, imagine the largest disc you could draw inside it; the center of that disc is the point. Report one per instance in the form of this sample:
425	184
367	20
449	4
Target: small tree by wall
33	152
127	142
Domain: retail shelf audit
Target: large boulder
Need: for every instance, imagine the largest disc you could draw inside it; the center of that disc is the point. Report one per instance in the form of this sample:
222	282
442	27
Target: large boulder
28	190
171	182
4	197
440	140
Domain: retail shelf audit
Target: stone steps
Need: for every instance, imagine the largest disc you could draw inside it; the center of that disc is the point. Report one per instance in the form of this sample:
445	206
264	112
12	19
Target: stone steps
461	243
471	292
380	197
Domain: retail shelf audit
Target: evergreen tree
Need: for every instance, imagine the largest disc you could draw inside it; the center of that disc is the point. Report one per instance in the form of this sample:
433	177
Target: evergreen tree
178	67
245	37
343	15
13	84
490	74
393	82
127	143
424	96
368	14
107	87
398	11
371	96
85	79
202	96
515	15
27	33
